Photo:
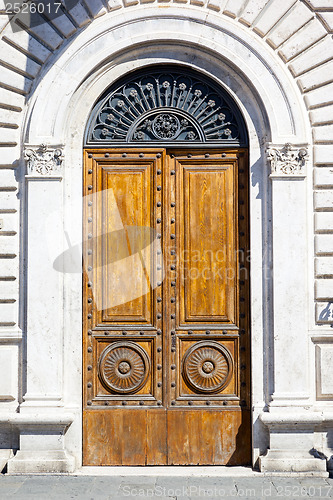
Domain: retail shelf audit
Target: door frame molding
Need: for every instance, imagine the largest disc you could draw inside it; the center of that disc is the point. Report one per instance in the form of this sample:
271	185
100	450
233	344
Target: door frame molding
269	116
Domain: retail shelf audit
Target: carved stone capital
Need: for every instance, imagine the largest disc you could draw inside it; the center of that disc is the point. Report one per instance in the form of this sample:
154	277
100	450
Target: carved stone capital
44	160
287	161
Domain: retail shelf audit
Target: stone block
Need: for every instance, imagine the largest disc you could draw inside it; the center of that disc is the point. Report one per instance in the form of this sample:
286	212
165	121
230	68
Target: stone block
115	4
29	44
80	15
64	25
46	33
8	200
271	15
9	135
323	154
8	178
322	95
297	17
324	244
324	222
10	117
251	11
8	314
233	8
324	267
323	200
8	244
322	115
14	80
11	100
319	53
8	372
302	39
323	177
324	289
328	18
96	8
14	58
316	77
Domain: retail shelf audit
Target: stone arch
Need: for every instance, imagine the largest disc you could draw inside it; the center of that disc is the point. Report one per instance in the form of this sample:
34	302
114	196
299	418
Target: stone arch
262	85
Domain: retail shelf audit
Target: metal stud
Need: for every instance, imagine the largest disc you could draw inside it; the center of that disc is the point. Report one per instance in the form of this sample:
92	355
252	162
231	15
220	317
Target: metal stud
159	299
243	384
158	236
241	202
158	155
172	300
89	219
159	268
124	155
173	204
90	171
173	316
159	204
89	368
190	332
172	172
90	349
159	349
172	236
89	332
242	299
89	385
207	155
225	332
141	403
89	316
159	220
173	403
142	333
173	252
159	332
243	349
124	403
159	403
106	403
90	155
243	403
241	170
173	220
89	203
90	236
207	332
208	403
159	384
159	283
106	333
141	155
242	315
241	186
173	384
90	301
242	282
189	155
190	403
242	332
173	349
89	252
241	233
89	403
224	155
159	316
124	332
107	155
90	187
173	367
243	367
89	268
89	284
173	283
159	367
241	217
225	403
159	171
159	188
173	332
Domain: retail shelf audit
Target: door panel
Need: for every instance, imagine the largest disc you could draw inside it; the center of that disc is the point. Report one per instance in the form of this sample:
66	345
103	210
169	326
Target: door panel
166	308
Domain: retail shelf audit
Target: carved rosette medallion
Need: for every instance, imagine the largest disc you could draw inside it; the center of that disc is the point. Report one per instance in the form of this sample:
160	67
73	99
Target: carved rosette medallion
166	126
43	160
124	367
288	161
207	367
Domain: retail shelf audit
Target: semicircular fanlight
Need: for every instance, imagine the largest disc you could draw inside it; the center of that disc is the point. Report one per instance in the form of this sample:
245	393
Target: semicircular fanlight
167	105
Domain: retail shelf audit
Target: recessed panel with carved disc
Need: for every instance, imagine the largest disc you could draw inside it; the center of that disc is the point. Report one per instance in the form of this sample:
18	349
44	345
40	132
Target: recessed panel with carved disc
207	367
124	367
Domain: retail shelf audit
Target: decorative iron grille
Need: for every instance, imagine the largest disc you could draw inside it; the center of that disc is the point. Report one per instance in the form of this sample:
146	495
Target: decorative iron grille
167	105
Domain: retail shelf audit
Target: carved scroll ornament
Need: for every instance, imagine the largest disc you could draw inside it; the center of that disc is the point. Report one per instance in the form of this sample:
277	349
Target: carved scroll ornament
43	160
288	161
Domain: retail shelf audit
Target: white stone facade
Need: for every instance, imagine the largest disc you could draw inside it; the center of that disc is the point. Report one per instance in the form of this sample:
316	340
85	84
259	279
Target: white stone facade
276	60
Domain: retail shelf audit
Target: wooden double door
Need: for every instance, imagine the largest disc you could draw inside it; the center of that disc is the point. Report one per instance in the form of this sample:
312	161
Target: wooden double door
166	341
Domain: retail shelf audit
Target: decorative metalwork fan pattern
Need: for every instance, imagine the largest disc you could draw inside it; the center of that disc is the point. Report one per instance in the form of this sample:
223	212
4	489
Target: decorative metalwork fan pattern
166	106
207	367
124	367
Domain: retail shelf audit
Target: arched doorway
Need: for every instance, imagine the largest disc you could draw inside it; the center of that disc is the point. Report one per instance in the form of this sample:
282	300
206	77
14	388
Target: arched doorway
166	338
